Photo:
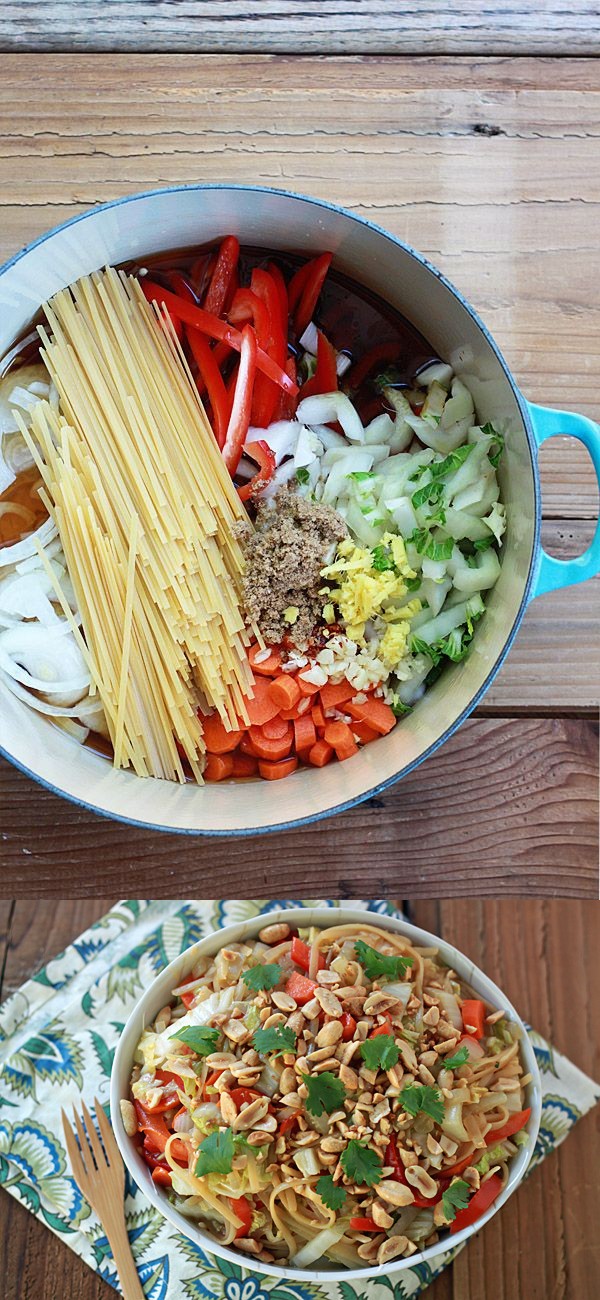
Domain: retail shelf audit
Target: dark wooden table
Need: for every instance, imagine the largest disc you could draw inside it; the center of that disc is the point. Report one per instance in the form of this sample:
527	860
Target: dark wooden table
492	167
544	1245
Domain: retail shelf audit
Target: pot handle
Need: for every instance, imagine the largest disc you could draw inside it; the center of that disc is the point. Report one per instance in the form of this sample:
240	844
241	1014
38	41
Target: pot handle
552	573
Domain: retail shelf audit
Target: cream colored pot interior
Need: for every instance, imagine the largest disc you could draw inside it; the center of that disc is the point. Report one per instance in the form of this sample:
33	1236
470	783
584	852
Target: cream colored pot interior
174	219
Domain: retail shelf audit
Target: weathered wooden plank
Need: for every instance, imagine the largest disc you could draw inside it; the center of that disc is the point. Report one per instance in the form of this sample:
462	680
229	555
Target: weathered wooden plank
520	947
304	26
511	217
505	805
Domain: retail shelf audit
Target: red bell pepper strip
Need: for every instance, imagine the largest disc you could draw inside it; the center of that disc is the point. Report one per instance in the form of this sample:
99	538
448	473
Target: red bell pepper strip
248	307
155	293
224	271
512	1126
201	273
153	1126
300	988
188	998
239	419
348	1024
363	1224
300	954
478	1204
325	379
277	277
180	285
243	1096
458	1168
289	1121
374	357
473	1017
287	402
215	328
304	289
392	1158
207	365
262	454
385	1028
161	1176
243	1209
266	393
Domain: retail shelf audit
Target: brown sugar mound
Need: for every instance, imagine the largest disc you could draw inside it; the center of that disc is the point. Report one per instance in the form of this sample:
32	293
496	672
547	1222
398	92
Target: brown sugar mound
284	558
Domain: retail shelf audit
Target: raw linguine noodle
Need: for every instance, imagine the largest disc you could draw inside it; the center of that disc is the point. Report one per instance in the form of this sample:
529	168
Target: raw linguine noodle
147	518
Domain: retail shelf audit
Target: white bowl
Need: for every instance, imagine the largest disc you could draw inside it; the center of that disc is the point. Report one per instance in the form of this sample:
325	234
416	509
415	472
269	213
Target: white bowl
160	993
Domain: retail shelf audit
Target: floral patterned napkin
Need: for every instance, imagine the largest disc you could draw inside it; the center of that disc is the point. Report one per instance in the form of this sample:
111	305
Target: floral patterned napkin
58	1035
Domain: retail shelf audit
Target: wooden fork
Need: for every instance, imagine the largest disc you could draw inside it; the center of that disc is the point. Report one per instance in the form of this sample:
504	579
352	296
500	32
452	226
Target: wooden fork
99	1173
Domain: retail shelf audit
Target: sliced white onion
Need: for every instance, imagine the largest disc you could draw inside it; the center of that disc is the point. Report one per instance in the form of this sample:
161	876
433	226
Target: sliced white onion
329	407
17	350
451	1009
44	659
400	991
27	546
310	339
281	437
41	706
27	596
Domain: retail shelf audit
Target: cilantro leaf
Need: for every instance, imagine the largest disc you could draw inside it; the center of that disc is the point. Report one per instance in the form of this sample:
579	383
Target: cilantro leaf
460	1058
262	977
331	1195
456	1197
375	963
421	1097
276	1039
302	474
216	1154
380	1052
325	1092
360	1163
200	1038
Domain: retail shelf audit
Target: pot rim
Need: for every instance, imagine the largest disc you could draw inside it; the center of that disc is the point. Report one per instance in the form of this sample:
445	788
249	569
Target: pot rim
320	915
523	407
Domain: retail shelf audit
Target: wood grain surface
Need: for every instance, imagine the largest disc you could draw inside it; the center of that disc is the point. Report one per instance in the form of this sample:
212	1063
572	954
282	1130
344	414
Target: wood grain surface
544	1243
492	167
304	26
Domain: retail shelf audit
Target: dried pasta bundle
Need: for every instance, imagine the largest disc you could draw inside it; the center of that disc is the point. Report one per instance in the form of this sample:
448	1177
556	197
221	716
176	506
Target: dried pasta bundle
147	516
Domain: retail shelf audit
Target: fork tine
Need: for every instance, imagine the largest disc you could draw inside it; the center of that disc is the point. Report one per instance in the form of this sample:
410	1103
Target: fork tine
93	1139
84	1144
110	1143
77	1166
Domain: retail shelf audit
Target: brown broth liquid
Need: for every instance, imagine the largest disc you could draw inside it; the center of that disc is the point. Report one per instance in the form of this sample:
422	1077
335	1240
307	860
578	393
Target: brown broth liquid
353	319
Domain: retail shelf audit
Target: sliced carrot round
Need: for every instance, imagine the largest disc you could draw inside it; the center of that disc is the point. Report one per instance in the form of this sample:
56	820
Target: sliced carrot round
275	728
336	693
217	738
218	767
261	708
271	749
267	666
320	754
276	771
306	688
244	765
305	734
284	691
339	736
376	713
